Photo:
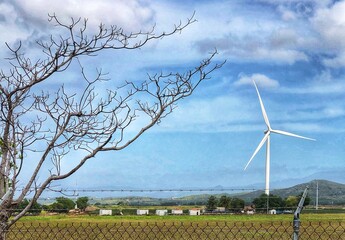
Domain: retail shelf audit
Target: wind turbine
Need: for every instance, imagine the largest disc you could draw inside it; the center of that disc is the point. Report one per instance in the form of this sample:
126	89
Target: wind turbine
268	143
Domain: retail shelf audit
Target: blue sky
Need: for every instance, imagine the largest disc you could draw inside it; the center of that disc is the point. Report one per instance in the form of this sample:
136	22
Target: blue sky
294	50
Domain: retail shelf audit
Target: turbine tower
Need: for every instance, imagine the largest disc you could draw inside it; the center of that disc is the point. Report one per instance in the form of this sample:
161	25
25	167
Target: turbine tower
266	140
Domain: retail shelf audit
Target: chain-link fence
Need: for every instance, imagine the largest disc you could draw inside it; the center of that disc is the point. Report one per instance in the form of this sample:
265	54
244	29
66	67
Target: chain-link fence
176	230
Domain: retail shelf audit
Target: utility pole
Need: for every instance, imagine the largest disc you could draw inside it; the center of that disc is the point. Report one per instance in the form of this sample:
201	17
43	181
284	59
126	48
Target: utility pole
296	221
317	196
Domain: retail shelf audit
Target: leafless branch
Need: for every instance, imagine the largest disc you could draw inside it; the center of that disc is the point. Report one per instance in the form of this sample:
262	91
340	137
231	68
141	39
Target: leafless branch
52	126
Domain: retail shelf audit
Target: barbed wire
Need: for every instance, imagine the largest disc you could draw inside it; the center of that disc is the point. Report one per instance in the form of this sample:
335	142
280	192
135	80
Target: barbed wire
163	190
154	190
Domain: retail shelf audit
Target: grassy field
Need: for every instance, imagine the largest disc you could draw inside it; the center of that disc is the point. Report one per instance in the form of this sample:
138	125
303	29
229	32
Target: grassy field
62	218
314	226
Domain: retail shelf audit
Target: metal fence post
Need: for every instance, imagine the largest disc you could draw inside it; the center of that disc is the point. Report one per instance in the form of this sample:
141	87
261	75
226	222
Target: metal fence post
296	220
296	225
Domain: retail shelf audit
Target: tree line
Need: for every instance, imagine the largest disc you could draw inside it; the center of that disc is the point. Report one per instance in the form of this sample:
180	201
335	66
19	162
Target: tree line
260	202
61	205
278	202
225	202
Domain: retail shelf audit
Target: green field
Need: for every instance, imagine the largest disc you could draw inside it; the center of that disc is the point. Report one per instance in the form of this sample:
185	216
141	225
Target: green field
62	218
314	226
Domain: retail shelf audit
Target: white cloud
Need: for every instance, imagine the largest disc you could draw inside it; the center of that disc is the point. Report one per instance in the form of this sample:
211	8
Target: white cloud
337	61
322	88
132	15
291	37
294	9
28	21
336	111
330	24
219	114
261	79
284	37
287	15
10	22
281	55
306	127
324	76
249	49
252	36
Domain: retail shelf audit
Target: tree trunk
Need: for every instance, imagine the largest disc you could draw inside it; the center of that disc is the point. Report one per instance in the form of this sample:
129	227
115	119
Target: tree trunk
4	216
3	232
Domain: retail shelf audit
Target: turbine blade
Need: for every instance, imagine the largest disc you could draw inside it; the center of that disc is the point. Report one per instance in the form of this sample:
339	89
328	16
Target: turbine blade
258	148
291	134
264	114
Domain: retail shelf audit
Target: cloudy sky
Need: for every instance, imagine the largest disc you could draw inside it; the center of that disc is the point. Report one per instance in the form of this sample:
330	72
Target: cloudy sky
294	50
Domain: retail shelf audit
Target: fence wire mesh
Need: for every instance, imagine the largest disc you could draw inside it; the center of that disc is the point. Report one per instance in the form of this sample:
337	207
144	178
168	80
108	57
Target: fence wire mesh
176	230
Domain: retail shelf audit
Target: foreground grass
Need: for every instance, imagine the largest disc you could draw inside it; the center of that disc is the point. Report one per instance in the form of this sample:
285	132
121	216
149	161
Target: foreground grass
314	226
184	218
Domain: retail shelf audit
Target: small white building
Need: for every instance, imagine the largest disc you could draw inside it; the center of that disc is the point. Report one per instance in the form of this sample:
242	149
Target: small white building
142	212
161	212
105	212
273	211
195	212
177	211
220	210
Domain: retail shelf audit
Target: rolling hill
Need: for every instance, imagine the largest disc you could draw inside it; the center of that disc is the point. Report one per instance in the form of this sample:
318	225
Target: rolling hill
330	193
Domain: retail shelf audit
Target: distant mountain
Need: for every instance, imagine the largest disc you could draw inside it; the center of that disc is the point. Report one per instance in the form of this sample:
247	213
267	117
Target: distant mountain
329	192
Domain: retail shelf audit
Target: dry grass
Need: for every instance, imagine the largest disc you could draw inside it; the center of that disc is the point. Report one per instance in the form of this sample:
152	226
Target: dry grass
325	226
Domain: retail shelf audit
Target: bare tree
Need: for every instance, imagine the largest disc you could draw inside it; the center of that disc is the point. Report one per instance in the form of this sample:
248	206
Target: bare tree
38	127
